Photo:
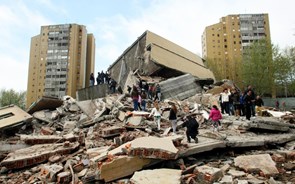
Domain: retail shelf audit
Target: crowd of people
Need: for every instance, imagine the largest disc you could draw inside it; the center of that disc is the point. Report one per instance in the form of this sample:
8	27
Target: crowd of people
232	102
238	103
104	78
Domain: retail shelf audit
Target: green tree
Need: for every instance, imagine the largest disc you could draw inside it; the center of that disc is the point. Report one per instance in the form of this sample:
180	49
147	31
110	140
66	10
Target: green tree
258	67
8	97
285	71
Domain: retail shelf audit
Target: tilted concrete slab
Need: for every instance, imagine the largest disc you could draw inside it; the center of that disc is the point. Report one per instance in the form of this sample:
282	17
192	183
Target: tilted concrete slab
92	108
45	102
156	176
36	154
121	167
186	87
204	144
12	116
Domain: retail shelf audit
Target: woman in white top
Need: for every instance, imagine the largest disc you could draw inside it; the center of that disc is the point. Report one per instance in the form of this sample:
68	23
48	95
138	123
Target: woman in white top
156	112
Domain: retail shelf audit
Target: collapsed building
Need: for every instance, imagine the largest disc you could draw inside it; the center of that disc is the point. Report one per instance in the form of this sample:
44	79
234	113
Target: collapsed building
103	140
152	55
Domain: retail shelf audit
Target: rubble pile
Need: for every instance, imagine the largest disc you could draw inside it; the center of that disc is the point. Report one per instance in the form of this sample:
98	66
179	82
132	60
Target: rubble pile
103	140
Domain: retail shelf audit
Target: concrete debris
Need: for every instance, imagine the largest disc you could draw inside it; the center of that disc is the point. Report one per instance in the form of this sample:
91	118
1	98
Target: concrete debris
45	102
257	163
121	167
207	174
36	154
104	140
12	116
156	176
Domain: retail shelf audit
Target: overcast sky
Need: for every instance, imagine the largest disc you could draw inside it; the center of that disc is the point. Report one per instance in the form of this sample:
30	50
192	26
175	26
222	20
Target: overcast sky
116	24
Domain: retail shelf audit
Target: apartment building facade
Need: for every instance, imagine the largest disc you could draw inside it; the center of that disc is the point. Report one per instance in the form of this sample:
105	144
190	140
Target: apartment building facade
223	43
61	60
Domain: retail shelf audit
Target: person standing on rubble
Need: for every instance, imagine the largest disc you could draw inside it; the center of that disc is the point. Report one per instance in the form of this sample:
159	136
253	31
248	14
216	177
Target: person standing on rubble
156	112
215	116
91	79
253	97
235	98
248	104
158	92
143	100
173	117
134	96
225	100
258	104
192	126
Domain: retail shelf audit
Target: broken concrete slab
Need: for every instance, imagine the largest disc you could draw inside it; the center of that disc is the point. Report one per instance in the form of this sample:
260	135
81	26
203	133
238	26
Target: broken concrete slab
93	108
171	176
43	115
204	144
122	166
257	163
135	121
45	102
244	140
12	116
186	87
269	123
153	147
36	154
45	139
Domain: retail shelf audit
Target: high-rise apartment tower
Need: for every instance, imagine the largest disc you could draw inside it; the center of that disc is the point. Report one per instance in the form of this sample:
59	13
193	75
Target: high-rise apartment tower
62	57
223	43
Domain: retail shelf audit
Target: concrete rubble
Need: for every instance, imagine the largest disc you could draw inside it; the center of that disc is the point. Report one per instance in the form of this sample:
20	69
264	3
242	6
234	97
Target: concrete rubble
103	140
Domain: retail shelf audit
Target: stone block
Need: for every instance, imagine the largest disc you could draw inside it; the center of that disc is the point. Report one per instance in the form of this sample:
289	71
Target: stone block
171	176
207	174
135	121
257	163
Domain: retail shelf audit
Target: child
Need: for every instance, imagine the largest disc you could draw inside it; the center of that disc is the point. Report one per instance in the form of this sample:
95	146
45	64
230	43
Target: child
215	115
156	112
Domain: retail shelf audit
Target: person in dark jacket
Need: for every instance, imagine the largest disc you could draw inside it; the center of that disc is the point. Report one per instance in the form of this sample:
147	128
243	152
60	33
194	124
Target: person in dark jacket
248	104
91	79
192	126
173	117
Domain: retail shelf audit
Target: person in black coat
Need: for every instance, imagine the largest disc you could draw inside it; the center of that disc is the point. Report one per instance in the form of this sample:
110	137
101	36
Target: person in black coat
192	126
248	100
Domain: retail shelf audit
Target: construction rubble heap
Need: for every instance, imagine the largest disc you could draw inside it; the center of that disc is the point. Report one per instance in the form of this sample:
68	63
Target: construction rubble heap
104	141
